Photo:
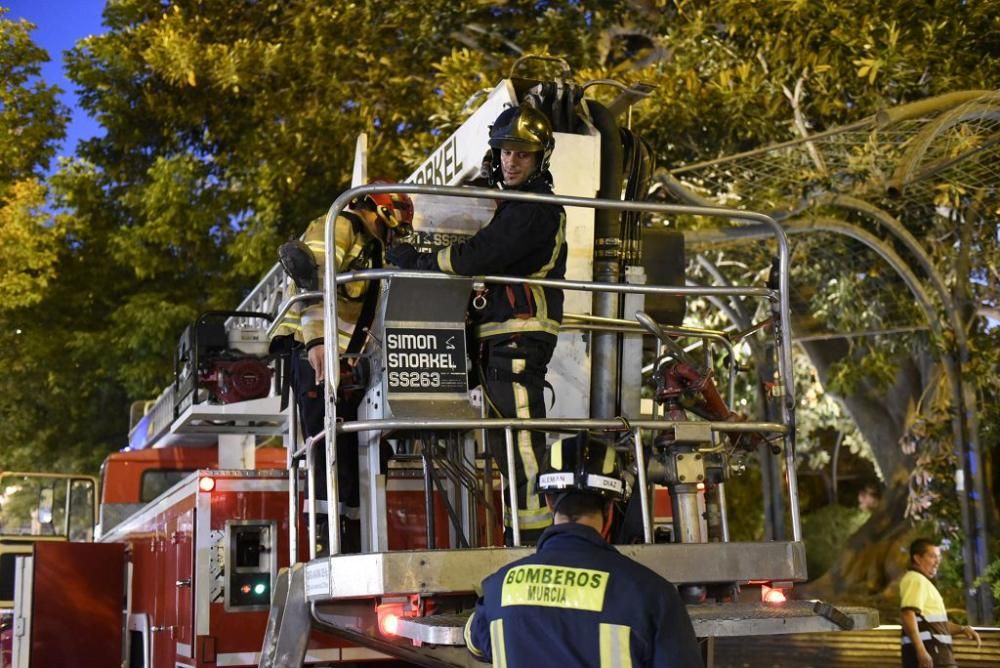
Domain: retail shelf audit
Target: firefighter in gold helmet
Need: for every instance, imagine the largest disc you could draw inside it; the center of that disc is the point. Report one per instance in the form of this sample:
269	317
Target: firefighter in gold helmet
577	601
515	325
362	232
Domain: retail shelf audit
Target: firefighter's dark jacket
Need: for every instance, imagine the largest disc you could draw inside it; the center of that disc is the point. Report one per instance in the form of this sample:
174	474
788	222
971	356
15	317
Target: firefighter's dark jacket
522	239
578	602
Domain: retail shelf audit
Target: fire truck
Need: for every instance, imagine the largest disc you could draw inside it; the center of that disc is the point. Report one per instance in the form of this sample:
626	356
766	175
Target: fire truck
219	566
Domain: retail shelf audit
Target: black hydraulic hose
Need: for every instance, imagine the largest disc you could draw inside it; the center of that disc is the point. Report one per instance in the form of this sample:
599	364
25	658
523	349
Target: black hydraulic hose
607	222
607	265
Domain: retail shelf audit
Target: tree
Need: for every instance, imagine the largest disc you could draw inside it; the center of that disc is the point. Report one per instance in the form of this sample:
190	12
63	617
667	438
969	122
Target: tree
32	122
228	126
739	75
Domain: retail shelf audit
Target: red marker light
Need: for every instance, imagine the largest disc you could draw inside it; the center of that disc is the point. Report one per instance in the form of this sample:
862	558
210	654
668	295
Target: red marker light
245	589
388	615
206	484
390	624
771	595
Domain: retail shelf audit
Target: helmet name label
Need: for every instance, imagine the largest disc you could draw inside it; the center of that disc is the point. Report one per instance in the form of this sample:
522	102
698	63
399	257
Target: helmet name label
555	587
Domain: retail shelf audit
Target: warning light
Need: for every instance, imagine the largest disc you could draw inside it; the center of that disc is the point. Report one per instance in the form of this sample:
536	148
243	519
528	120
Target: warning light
388	615
245	589
259	588
206	484
772	594
390	624
700	486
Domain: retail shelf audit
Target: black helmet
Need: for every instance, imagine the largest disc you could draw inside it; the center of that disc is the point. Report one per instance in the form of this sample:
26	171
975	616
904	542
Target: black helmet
520	129
582	464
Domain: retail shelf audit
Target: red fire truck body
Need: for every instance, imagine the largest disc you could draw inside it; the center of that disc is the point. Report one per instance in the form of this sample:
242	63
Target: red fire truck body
195	566
202	560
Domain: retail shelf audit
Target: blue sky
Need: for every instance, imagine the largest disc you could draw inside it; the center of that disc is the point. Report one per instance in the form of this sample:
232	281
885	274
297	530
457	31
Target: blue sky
60	23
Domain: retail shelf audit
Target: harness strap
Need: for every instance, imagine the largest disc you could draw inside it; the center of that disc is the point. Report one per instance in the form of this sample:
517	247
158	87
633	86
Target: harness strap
522	378
367	309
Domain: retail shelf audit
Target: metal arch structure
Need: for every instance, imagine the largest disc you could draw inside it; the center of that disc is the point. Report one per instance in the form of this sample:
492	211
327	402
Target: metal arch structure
916	146
978	598
965	422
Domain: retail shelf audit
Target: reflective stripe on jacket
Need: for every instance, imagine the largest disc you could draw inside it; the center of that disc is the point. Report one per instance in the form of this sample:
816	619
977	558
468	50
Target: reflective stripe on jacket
305	323
918	593
579	602
522	239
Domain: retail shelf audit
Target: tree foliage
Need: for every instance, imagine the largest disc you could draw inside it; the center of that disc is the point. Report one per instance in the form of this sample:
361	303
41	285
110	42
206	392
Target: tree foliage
32	122
227	126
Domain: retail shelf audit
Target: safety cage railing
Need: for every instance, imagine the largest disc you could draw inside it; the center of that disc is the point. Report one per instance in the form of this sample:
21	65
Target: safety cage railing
779	323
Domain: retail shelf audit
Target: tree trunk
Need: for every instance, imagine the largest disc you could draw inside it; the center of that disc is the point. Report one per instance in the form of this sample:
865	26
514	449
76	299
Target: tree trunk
869	566
875	557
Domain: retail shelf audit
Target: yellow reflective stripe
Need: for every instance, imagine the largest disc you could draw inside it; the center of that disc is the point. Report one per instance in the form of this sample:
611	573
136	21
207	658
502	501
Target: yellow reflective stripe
496	640
556	247
316	245
444	260
343	340
533	519
555	587
537	291
517	326
555	455
468	637
615	649
609	461
524	447
541	304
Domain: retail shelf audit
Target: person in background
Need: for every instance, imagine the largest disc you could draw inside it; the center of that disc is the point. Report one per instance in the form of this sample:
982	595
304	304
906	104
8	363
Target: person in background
515	325
577	601
869	497
926	630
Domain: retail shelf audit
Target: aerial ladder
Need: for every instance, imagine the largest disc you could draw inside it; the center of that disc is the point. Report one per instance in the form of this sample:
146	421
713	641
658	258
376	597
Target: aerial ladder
623	328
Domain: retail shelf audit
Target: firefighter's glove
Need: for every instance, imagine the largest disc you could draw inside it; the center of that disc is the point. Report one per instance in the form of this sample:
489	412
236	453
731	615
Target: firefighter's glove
281	345
404	256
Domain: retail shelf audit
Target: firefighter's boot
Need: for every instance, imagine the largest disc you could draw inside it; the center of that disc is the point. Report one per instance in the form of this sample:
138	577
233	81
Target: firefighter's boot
322	537
350	536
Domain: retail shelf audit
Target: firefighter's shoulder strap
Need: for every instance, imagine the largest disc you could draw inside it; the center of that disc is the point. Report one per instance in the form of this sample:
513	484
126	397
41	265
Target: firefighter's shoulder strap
367	314
355	219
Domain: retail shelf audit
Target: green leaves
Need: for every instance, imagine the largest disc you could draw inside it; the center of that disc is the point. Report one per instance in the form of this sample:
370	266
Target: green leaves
28	245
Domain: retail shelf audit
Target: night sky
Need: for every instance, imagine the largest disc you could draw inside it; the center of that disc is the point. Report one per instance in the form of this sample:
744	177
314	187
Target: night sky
60	23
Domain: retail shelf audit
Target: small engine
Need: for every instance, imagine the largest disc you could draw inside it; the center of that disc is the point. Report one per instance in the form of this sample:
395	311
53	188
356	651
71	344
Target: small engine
229	366
239	380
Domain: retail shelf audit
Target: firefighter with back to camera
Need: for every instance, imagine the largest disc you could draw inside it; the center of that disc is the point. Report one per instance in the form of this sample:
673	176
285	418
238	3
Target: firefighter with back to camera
515	325
577	601
361	233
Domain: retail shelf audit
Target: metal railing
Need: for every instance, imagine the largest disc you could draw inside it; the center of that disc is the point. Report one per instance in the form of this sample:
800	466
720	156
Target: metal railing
332	358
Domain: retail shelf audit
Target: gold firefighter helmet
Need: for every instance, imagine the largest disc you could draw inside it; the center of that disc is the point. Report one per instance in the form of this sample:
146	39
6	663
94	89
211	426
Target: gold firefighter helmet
521	129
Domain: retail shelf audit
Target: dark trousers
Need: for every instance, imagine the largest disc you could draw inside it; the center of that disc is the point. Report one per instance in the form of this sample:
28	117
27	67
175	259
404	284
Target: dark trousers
941	655
512	373
312	410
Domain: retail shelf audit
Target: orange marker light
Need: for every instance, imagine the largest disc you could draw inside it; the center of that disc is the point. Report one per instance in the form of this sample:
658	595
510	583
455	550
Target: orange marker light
206	484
